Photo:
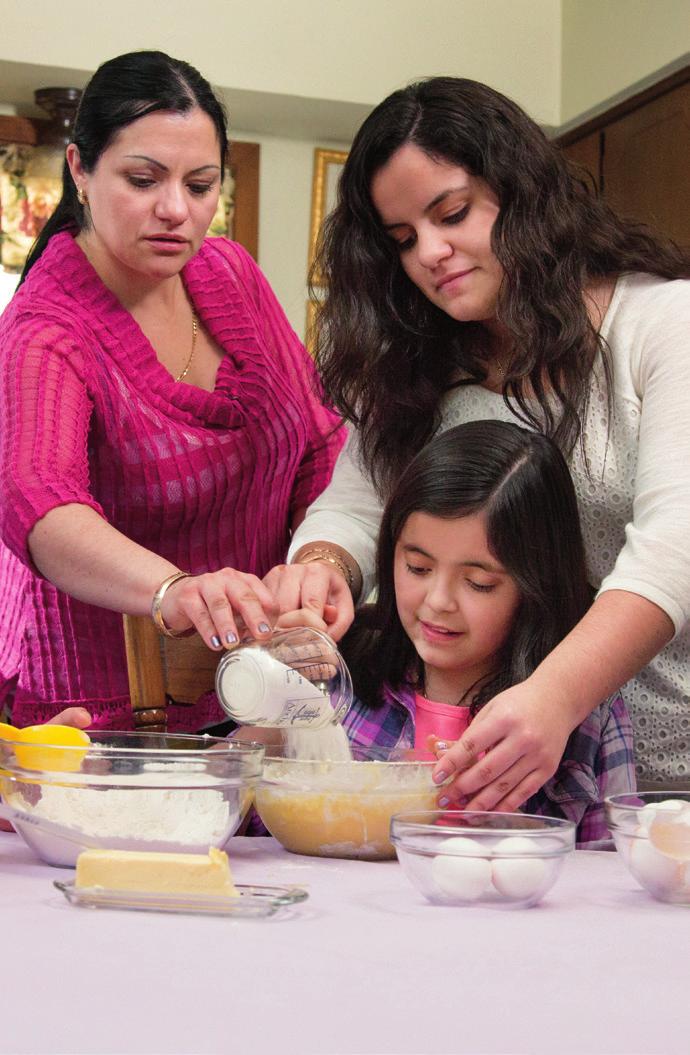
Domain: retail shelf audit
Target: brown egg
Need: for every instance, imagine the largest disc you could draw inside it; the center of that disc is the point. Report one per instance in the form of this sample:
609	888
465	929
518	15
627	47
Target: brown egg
670	834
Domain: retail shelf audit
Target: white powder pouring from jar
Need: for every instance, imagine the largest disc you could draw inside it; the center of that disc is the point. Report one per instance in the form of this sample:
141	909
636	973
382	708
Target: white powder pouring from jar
330	743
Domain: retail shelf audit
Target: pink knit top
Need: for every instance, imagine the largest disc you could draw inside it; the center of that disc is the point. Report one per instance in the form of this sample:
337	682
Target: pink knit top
205	479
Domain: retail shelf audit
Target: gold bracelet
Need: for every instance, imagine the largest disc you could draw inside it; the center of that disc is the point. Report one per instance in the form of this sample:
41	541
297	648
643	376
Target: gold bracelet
158	620
330	557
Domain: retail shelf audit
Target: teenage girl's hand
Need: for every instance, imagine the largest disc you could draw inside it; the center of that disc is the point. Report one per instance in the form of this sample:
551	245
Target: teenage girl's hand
317	588
219	605
524	737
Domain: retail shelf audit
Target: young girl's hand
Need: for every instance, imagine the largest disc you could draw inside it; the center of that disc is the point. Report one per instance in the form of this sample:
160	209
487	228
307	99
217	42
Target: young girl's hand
307	617
522	739
79	717
438	747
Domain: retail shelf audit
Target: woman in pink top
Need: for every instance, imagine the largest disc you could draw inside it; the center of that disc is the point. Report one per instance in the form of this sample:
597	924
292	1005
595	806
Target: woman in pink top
157	413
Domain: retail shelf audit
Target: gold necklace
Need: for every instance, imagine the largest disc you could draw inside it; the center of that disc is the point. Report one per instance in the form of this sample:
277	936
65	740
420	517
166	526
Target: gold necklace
191	354
422	689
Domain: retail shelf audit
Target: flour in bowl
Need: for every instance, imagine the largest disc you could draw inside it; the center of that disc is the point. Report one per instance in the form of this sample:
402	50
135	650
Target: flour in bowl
187	816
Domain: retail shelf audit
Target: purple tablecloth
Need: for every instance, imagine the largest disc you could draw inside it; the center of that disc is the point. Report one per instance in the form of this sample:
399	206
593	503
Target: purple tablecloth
364	966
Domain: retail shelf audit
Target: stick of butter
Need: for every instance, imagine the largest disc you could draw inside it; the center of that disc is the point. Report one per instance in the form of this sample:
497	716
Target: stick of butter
158	873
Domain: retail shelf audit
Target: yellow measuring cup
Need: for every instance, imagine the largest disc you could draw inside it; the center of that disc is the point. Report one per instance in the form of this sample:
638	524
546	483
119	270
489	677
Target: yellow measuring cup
49	740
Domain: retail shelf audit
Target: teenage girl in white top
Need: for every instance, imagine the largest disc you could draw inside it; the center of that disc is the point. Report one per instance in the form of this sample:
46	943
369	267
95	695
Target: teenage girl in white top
471	274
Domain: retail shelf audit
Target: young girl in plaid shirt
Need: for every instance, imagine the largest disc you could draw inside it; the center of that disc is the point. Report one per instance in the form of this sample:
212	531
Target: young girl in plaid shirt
481	573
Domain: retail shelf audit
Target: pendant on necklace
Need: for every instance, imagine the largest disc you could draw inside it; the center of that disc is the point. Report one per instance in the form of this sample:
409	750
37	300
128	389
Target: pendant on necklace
191	353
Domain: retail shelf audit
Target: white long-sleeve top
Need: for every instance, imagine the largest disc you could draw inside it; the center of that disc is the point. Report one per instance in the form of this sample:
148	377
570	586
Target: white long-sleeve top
633	497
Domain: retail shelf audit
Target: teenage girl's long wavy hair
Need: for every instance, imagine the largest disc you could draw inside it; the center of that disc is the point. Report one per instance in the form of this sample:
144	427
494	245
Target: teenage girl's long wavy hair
520	481
121	91
387	355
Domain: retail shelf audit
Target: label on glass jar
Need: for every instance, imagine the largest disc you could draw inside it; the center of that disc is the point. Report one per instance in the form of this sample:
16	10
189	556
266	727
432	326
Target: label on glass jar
256	689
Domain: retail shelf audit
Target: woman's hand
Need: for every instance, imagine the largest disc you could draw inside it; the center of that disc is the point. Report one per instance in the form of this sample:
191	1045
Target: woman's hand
316	591
220	605
521	738
82	554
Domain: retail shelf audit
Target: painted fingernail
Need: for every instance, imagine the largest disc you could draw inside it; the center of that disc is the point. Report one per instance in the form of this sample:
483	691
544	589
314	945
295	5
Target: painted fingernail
443	802
215	641
264	628
230	638
441	745
440	776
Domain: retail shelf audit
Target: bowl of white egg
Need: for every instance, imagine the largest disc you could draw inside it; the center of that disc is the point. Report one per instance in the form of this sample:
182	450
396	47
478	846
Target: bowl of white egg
457	857
651	830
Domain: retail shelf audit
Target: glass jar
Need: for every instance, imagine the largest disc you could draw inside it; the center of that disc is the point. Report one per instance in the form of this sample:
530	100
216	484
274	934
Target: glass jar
297	679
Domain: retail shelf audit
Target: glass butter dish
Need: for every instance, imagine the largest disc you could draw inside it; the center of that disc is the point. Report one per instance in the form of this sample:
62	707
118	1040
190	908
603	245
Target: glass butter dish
254	902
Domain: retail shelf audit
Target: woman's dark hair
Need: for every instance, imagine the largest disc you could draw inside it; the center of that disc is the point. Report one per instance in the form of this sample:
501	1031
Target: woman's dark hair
121	91
520	481
387	354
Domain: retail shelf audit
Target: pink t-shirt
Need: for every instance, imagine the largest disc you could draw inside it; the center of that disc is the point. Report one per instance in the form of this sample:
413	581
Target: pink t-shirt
206	479
444	720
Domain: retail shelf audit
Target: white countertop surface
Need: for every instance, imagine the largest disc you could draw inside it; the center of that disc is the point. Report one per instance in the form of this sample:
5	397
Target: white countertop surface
364	966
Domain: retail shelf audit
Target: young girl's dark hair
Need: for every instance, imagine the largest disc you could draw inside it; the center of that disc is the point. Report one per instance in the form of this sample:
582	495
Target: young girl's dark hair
387	354
121	91
519	480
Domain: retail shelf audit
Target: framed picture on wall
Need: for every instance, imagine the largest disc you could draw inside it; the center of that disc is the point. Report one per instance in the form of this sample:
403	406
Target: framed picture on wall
328	165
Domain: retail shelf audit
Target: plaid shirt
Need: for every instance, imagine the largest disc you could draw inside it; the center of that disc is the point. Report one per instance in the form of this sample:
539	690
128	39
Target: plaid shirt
598	759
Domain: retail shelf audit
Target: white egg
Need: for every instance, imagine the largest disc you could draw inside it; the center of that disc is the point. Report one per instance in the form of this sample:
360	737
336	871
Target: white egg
516	846
649	812
517	876
459	870
652	869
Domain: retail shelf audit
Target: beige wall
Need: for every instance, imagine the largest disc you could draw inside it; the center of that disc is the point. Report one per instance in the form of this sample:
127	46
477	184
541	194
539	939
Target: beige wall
609	45
345	50
295	75
284	218
303	74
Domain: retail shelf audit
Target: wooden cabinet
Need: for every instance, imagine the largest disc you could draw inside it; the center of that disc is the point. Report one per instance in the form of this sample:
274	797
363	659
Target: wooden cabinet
244	165
646	164
586	153
639	156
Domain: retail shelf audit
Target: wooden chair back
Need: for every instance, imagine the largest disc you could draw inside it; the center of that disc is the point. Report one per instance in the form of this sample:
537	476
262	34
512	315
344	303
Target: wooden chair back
161	667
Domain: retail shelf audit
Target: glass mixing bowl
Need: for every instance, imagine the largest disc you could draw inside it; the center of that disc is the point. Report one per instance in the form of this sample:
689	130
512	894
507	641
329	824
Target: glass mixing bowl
651	830
342	808
131	790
